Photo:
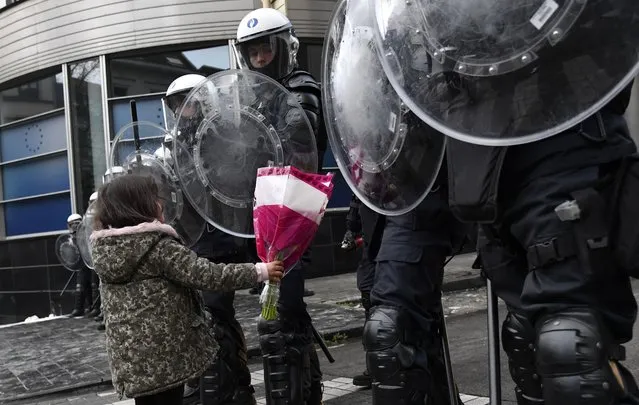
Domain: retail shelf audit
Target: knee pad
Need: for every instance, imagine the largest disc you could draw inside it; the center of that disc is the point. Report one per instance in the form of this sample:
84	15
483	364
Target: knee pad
518	339
389	359
577	360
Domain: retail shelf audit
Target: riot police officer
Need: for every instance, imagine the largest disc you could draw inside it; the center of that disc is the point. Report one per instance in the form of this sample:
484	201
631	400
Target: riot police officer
402	333
570	307
266	43
83	278
543	186
359	222
228	379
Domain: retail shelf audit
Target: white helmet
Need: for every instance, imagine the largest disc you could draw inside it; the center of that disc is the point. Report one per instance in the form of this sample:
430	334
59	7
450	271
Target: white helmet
175	96
164	155
93	197
266	43
73	218
112	173
178	90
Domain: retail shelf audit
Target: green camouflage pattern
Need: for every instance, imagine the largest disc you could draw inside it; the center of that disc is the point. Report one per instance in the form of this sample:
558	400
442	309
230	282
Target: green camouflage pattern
157	332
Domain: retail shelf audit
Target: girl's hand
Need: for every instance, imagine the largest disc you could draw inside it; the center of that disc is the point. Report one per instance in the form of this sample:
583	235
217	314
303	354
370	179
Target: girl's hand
275	270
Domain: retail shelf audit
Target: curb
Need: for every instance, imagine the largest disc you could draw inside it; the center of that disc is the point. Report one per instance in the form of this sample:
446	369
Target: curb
78	388
464	284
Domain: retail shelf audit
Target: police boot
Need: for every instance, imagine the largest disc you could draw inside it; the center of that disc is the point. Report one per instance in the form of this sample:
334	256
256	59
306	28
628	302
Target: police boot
391	350
244	393
78	308
94	304
257	290
283	355
438	393
316	388
364	379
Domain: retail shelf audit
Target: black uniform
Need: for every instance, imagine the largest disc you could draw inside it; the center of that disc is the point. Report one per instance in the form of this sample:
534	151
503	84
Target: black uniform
570	306
292	373
228	379
401	335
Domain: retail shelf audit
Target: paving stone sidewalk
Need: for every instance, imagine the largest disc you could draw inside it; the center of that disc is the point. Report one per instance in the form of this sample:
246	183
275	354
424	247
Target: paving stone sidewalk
66	354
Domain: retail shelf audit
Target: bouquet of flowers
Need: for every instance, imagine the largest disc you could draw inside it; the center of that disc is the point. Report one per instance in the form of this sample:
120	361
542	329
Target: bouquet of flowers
289	206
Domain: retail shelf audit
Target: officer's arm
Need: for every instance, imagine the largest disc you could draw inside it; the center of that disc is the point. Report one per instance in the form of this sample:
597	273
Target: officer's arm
308	94
182	266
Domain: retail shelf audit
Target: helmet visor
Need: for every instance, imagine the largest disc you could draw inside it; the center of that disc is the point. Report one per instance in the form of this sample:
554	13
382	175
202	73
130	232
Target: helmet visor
273	55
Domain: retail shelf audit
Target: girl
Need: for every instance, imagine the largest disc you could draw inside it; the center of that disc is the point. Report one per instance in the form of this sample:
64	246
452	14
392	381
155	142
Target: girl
157	336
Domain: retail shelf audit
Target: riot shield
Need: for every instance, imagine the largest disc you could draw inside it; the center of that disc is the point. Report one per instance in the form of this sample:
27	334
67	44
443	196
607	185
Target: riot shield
388	156
123	148
154	159
504	72
189	225
83	233
68	253
231	124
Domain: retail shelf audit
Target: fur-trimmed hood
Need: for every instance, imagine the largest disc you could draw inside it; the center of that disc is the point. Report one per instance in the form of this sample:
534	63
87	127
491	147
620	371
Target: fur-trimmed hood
125	248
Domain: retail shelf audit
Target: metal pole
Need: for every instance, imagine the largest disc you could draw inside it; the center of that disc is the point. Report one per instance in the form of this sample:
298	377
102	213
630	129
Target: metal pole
494	363
452	387
136	134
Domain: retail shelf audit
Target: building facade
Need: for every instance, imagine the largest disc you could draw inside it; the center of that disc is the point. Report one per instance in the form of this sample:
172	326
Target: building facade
68	70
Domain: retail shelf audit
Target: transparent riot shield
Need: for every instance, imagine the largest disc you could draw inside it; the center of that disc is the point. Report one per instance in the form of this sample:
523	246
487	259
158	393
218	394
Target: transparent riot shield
190	225
154	159
169	190
505	72
68	253
232	124
123	148
84	233
388	156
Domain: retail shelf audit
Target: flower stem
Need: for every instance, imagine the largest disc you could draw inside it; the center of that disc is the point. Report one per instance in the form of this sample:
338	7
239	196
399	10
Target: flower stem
269	307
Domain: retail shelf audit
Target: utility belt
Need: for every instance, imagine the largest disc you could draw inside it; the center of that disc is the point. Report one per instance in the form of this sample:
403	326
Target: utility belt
606	224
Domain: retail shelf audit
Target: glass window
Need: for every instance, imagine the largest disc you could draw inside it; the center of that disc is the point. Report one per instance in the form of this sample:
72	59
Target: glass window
153	73
34	168
42	214
148	109
30	99
341	197
87	123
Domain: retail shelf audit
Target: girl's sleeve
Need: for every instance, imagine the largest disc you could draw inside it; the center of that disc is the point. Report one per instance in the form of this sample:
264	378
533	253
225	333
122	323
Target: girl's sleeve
182	265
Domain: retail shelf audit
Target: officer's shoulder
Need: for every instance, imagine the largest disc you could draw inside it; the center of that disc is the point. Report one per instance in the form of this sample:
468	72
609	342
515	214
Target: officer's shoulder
302	80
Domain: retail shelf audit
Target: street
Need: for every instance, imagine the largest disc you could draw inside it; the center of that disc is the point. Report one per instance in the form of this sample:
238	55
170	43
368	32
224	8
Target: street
467	332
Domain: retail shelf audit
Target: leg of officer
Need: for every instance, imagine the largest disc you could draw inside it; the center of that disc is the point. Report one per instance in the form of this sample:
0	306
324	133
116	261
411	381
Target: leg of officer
507	271
406	302
228	379
365	279
571	291
291	367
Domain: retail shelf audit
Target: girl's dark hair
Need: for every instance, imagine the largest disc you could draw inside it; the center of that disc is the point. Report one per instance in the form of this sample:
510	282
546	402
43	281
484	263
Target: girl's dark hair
127	200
